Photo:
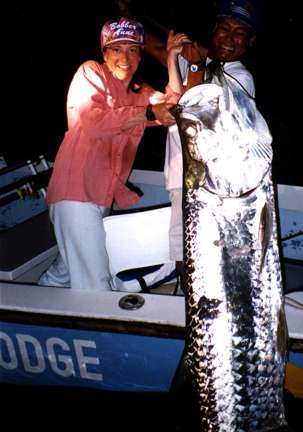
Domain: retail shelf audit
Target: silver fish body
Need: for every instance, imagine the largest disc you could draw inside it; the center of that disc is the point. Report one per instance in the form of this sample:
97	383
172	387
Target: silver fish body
236	334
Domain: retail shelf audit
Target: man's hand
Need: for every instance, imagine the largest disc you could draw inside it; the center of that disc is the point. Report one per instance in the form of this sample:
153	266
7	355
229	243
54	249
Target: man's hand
195	54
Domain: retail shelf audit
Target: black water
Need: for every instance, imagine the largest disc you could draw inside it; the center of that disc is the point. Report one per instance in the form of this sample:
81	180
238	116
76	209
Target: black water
42	62
35	408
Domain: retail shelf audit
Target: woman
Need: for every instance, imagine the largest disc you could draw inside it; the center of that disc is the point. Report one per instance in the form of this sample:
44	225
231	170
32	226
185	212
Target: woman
107	109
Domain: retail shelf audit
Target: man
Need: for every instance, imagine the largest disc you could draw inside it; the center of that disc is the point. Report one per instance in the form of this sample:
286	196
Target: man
233	280
233	35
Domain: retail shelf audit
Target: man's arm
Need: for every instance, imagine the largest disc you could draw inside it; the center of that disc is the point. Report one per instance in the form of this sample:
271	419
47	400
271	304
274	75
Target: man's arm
179	44
156	48
196	55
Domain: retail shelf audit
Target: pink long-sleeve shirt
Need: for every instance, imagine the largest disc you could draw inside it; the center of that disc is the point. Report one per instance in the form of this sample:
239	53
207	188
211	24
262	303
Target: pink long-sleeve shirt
96	155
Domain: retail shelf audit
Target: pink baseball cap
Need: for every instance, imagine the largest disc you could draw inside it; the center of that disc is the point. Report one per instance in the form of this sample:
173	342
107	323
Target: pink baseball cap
125	30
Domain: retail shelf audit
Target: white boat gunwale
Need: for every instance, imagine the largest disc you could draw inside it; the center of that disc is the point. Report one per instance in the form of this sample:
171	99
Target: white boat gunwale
160	314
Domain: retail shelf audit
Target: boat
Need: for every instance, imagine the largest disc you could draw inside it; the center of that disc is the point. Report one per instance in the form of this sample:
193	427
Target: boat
120	341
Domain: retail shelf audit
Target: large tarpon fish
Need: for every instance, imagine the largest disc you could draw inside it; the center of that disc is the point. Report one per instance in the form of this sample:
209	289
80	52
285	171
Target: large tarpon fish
236	328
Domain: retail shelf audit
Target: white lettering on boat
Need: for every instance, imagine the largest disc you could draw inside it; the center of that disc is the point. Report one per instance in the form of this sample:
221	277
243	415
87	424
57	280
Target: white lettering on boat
62	358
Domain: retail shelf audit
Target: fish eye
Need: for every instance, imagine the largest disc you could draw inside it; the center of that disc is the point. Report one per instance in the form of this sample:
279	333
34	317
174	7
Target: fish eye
189	128
190	131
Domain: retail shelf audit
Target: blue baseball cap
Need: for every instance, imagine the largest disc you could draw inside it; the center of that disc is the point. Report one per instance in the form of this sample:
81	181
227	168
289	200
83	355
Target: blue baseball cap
242	10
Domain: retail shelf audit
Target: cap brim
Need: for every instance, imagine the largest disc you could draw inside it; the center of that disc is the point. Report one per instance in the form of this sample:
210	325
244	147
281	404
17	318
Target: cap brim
242	19
123	40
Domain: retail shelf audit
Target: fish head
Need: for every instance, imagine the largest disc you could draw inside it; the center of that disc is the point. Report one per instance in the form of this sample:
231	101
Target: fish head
196	116
200	94
203	104
198	111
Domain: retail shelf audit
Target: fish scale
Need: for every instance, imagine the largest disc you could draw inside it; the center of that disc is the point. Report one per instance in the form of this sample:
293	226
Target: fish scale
236	335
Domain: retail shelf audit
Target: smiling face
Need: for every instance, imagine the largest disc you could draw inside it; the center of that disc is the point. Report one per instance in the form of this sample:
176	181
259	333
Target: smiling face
231	39
123	60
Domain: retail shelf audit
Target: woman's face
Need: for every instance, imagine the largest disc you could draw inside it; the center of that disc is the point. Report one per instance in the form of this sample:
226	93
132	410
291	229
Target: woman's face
123	60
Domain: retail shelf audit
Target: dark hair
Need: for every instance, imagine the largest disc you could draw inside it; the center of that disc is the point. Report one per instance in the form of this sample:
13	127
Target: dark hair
136	83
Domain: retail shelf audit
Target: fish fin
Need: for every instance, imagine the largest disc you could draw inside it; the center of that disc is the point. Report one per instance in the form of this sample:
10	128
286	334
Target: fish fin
282	335
265	232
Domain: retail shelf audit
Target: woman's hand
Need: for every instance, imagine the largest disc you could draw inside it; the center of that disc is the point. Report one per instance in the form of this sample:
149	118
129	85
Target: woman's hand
194	53
176	42
163	115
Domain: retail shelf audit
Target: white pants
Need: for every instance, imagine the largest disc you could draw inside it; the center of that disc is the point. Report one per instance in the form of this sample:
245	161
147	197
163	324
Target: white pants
176	225
82	262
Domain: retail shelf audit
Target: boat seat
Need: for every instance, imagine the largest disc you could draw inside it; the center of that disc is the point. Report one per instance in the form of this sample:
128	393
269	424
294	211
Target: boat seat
25	245
138	248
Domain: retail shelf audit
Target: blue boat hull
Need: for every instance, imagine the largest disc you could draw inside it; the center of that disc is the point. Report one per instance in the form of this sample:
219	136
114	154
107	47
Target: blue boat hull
45	355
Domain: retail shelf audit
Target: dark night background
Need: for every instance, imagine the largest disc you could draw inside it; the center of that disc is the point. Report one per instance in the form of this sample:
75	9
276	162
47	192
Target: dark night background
48	41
